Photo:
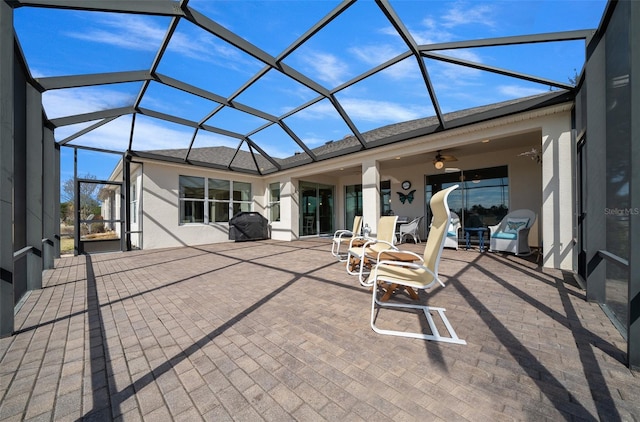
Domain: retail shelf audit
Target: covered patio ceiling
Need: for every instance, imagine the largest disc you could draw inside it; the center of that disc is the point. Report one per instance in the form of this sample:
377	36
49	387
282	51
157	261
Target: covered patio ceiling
176	80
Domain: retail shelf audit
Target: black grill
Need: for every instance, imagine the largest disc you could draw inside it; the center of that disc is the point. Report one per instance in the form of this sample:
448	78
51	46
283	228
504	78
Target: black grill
248	226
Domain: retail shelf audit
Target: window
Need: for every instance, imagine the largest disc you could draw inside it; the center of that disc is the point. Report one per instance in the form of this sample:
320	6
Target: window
274	201
191	199
352	202
241	197
219	200
385	197
134	203
221	204
482	199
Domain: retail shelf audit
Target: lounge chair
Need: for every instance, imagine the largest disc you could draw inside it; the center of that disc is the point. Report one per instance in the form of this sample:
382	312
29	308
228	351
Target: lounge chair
420	274
363	250
344	236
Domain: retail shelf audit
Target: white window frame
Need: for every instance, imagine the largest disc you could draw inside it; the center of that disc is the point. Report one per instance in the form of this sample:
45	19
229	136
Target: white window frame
182	201
231	203
134	203
274	202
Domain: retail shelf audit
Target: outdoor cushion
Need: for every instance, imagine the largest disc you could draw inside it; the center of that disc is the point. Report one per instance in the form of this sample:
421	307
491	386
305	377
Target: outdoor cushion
513	224
504	235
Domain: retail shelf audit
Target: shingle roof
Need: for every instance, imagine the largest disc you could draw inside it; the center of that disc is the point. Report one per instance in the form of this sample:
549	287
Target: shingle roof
246	161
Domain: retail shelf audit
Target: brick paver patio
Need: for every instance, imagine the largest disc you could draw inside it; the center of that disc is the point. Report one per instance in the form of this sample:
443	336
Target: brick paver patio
278	331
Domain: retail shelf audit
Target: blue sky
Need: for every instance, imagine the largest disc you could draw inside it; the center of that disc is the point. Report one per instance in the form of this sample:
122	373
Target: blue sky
68	42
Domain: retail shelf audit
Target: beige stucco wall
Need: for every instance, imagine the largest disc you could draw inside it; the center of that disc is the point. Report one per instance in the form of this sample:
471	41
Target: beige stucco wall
160	213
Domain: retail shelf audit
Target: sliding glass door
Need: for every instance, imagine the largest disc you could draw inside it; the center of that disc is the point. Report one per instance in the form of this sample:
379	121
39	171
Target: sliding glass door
352	204
316	209
482	199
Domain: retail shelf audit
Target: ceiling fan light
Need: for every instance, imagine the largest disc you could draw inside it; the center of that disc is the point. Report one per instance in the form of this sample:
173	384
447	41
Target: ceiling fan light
438	164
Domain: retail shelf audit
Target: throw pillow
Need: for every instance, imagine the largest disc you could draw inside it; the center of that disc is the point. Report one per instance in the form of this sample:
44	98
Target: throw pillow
513	224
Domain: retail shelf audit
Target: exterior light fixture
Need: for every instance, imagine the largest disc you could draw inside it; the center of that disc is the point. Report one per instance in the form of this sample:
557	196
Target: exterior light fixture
438	161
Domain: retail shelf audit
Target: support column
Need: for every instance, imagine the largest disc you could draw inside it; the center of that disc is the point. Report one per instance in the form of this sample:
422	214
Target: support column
6	169
34	182
556	216
371	194
126	173
633	345
56	199
290	206
49	200
595	231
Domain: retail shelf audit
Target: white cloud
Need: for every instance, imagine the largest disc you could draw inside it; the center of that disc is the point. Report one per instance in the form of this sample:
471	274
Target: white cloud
69	102
202	46
379	111
141	33
328	67
127	31
364	110
149	134
515	91
464	13
373	55
440	29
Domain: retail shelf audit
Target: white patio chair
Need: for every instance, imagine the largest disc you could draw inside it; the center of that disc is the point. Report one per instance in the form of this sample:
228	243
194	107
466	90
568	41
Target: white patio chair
451	241
410	229
512	233
344	236
420	274
364	250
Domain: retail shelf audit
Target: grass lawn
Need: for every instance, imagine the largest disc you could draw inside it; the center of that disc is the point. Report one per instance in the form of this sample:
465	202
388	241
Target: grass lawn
66	245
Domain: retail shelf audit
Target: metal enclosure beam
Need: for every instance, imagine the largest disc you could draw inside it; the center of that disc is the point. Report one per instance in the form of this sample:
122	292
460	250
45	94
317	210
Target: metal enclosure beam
6	169
143	7
520	39
633	346
62	82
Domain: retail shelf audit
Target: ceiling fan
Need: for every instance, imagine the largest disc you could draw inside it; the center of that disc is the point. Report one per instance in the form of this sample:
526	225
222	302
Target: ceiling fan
438	161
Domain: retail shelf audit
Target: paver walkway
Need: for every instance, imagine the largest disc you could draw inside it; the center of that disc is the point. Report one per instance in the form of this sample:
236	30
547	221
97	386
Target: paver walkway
278	331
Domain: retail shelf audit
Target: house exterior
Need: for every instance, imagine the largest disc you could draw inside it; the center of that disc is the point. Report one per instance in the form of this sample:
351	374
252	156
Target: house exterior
523	155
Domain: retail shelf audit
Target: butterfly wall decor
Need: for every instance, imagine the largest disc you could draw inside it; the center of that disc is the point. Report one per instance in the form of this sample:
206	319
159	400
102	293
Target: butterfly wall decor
407	197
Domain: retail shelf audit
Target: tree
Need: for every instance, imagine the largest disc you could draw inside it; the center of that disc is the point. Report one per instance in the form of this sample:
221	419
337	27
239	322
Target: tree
89	203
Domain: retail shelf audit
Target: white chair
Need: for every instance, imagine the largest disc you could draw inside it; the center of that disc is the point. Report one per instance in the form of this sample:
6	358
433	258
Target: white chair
512	233
344	236
364	250
420	274
410	229
451	241
308	224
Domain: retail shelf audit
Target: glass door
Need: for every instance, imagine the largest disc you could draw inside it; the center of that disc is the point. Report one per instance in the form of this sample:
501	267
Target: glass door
482	199
581	202
99	211
352	204
316	209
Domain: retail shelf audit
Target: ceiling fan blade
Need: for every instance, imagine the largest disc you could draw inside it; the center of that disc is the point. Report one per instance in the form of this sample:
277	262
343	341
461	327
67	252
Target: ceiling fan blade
441	157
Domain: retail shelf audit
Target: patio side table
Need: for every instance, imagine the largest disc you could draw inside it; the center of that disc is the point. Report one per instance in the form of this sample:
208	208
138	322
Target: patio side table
479	231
